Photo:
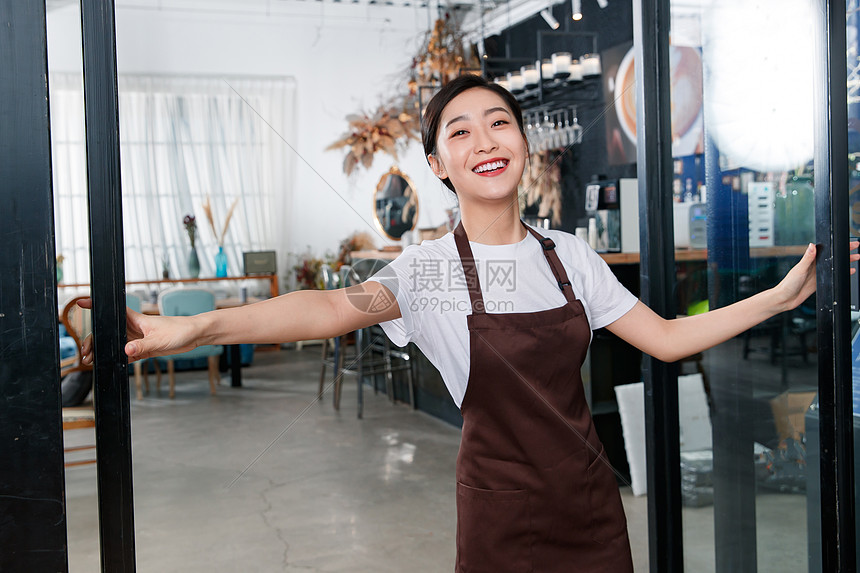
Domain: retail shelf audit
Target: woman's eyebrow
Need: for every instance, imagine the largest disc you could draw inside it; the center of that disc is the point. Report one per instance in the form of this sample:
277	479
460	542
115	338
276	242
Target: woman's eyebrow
495	109
463	117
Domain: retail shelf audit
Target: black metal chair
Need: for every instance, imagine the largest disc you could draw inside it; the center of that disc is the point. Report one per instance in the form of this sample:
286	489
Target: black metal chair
374	354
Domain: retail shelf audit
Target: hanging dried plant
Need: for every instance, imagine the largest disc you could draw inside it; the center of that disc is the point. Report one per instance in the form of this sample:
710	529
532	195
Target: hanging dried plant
394	124
444	55
207	209
541	185
391	125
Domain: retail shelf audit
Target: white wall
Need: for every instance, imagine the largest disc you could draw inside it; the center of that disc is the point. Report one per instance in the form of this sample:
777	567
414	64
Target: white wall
349	60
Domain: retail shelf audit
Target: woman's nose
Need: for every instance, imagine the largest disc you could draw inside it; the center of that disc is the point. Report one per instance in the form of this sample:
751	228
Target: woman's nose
484	141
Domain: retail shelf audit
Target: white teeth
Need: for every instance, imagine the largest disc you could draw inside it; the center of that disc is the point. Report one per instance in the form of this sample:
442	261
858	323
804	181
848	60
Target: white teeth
490	166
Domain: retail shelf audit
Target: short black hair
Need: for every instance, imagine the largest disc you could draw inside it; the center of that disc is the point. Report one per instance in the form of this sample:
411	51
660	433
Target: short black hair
433	114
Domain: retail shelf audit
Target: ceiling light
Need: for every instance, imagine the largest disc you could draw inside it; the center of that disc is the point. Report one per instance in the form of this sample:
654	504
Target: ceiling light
576	6
549	18
603	3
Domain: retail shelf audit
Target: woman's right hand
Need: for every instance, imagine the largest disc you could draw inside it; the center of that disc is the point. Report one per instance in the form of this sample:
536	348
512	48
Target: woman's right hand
148	335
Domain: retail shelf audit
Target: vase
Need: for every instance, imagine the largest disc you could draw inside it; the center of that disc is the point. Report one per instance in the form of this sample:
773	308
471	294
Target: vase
220	263
59	274
193	264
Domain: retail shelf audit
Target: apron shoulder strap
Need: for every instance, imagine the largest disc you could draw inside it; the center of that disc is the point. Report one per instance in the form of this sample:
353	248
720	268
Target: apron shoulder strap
554	264
467	259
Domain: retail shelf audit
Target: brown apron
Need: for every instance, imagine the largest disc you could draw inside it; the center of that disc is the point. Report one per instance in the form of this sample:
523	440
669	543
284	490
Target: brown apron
535	492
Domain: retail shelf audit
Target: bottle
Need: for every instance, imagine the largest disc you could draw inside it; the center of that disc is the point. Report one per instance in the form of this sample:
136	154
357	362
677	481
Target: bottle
800	207
854	200
592	233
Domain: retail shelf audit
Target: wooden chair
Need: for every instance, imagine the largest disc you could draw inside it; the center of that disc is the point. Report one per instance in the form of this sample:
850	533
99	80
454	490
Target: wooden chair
78	324
188	302
76	418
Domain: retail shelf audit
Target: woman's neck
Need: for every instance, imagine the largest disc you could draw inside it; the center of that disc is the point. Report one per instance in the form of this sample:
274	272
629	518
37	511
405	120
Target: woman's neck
493	226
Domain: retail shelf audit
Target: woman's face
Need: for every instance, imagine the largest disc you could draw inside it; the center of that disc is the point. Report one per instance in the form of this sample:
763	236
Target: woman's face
479	147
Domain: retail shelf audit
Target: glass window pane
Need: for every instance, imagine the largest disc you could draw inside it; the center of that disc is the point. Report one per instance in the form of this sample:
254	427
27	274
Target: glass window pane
744	212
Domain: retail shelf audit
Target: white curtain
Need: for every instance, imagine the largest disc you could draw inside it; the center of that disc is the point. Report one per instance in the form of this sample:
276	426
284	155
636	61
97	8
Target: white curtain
181	139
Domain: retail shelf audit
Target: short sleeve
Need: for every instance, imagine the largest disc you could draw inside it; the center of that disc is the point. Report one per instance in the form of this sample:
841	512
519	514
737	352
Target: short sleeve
607	298
399	277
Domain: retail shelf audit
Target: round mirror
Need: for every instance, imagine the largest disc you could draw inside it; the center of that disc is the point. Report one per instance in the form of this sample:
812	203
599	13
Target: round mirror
396	204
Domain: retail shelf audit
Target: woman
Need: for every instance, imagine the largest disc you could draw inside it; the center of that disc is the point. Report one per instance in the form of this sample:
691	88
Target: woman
507	318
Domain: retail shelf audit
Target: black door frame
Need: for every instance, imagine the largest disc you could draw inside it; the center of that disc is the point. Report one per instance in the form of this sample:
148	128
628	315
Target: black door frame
32	482
107	277
836	417
651	38
33	534
657	278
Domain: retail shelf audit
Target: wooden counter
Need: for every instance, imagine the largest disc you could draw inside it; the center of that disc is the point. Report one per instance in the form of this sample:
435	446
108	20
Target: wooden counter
702	254
633	258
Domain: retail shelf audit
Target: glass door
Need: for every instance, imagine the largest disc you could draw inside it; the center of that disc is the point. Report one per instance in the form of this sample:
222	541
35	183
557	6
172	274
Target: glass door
755	170
745	494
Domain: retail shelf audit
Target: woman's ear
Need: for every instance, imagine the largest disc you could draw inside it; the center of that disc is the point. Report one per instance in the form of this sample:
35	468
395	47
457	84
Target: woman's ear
437	167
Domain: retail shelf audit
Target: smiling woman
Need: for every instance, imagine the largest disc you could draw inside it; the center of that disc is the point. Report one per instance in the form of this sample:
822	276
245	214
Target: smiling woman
535	489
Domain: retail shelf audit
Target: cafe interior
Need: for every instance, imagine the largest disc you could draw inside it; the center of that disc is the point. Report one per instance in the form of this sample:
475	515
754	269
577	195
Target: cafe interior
269	146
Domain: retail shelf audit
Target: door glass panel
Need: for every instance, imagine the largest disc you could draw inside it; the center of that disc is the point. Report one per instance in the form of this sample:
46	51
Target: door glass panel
71	227
744	213
853	72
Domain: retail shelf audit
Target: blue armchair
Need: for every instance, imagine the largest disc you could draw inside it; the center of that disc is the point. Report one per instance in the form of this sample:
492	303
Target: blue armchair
188	302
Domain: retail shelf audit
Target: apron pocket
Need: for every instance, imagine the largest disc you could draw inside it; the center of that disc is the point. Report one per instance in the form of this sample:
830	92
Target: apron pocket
493	530
605	509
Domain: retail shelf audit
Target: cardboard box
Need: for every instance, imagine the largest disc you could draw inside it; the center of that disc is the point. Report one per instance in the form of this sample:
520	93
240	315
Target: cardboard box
789	409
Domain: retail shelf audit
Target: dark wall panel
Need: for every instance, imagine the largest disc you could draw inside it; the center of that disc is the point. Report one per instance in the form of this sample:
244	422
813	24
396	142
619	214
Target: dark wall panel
614	26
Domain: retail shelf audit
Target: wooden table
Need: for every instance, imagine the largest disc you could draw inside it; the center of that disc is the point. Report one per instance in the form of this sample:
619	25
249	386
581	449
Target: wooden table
273	282
151	309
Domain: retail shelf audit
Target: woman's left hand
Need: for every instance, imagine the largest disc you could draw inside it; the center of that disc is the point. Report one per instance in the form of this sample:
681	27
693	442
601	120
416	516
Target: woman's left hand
799	283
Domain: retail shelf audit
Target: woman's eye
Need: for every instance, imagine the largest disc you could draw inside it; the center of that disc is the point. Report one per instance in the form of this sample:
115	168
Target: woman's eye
499	122
458	132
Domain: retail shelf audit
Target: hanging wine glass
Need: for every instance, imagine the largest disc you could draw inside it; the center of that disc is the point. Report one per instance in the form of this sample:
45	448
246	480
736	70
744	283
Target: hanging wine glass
539	132
530	130
576	129
560	134
564	132
546	142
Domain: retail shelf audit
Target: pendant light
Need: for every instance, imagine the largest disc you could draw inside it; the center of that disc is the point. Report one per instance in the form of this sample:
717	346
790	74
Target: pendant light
576	9
549	19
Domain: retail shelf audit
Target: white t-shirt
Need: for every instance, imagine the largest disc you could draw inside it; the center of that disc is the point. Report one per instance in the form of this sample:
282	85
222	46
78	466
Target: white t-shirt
430	288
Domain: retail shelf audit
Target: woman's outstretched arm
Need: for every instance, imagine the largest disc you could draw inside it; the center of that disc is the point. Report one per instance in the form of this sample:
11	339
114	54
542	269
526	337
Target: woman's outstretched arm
301	315
671	340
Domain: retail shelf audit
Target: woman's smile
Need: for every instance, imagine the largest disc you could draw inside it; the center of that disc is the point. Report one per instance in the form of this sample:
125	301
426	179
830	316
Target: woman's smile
491	168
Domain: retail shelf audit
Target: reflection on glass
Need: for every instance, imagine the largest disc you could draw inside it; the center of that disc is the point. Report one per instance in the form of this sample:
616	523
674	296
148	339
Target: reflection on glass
396	204
745	404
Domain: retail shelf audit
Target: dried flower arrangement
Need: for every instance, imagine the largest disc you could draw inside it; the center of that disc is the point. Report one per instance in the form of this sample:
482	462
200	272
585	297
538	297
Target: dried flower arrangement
541	185
307	273
377	132
207	209
358	241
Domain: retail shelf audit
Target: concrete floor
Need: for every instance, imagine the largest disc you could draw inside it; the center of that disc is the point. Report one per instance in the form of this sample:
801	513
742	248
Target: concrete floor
265	478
